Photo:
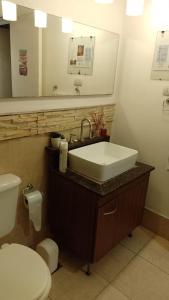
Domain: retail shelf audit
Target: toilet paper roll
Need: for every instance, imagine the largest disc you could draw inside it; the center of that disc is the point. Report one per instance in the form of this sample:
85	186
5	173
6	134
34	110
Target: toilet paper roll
34	201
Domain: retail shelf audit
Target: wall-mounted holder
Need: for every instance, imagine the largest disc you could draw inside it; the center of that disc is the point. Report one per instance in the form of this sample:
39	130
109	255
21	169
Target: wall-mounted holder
166	105
33	202
29	188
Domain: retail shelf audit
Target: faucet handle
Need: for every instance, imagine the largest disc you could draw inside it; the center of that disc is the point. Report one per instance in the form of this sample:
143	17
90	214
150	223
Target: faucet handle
71	138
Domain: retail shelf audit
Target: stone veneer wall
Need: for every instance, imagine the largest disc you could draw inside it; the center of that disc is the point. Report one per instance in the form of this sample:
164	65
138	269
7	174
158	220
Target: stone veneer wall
23	138
21	125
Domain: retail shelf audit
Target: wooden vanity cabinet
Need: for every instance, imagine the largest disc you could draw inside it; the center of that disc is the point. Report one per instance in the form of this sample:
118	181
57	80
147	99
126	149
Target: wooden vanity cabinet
88	224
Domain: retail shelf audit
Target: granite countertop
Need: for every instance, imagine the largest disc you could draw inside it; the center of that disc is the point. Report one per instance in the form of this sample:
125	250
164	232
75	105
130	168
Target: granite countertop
85	142
111	185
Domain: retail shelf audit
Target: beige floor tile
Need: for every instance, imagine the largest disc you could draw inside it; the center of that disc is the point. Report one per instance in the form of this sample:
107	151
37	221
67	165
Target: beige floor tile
112	264
110	293
68	285
157	252
143	281
140	238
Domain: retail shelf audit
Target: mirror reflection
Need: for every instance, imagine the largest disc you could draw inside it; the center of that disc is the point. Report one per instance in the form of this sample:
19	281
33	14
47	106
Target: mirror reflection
49	62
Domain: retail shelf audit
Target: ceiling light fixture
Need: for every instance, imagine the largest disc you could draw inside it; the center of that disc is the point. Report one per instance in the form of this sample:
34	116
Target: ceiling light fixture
67	25
160	14
40	19
134	7
9	12
104	1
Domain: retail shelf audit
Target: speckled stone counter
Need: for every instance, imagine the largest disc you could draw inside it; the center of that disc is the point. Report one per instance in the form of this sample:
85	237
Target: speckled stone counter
111	185
101	189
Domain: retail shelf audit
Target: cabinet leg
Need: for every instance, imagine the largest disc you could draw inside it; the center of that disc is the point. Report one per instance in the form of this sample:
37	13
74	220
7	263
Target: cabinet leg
88	270
130	235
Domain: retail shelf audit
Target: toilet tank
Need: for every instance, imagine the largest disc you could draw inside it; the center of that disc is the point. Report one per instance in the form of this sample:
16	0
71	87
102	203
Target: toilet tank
9	190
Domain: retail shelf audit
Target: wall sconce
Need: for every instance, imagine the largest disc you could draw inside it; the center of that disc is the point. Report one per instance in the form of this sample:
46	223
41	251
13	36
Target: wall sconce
40	19
67	25
134	7
160	14
104	1
9	12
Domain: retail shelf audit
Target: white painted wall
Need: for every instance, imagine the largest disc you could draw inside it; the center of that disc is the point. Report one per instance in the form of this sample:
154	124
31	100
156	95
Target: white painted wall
55	60
5	63
140	122
108	17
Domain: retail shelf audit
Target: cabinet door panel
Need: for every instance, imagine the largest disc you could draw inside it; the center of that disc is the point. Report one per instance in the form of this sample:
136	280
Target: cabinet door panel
106	231
120	216
131	206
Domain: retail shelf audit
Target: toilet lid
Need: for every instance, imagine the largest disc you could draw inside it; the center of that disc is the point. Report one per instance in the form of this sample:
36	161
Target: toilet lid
23	273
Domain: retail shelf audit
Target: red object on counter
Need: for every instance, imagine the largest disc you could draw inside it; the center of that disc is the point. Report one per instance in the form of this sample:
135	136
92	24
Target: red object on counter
103	131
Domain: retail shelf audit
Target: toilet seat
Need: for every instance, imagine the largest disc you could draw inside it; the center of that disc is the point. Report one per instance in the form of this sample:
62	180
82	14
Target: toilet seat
23	274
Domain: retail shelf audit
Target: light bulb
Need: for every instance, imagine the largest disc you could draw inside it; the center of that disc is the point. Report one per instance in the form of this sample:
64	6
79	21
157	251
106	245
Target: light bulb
40	19
160	14
67	25
104	1
9	11
134	7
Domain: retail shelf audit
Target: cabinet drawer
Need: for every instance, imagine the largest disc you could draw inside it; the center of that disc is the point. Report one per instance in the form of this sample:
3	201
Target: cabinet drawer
106	229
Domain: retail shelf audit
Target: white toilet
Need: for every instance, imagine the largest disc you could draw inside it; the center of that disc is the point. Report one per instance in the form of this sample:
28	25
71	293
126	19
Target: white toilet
23	273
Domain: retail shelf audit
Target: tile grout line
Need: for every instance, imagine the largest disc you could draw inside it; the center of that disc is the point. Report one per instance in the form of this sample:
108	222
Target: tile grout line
141	248
98	275
95	297
114	288
109	282
138	254
135	255
153	238
153	265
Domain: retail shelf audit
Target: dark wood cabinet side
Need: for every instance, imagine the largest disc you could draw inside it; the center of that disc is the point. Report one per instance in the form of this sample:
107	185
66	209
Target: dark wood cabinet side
72	215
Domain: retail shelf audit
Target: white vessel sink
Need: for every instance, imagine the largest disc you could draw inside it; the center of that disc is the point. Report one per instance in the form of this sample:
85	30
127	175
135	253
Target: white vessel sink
102	161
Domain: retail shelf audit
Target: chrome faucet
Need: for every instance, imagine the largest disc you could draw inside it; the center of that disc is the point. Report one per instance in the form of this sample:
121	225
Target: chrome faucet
82	127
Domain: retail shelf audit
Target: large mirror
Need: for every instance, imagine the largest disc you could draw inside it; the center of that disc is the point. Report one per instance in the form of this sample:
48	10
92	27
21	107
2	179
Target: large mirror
47	62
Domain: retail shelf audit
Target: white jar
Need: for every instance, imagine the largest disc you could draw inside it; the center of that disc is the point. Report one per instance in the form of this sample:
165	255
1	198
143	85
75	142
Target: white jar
63	156
56	142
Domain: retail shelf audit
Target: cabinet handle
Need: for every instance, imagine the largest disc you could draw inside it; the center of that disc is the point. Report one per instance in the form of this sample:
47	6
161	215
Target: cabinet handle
111	212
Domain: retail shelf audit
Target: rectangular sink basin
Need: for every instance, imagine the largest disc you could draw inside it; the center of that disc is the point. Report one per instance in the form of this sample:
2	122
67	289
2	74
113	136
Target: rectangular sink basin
102	161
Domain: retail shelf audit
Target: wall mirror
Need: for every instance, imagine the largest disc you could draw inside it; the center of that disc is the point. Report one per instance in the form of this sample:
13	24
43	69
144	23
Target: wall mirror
38	62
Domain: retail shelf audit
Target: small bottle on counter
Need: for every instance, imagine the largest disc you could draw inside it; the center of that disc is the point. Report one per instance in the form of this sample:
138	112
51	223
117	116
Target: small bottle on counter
63	156
103	130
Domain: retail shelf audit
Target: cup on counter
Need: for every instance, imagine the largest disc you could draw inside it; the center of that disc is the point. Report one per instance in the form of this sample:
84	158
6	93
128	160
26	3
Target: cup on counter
55	139
55	142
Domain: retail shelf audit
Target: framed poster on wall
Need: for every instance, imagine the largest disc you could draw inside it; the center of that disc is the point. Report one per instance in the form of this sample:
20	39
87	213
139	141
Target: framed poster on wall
81	55
160	66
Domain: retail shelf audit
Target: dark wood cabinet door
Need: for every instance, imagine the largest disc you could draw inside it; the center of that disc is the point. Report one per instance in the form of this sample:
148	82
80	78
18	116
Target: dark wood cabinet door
120	216
106	228
131	204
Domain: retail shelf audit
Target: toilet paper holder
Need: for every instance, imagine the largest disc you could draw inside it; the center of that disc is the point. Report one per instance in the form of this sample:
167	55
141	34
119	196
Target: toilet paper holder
28	189
33	200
